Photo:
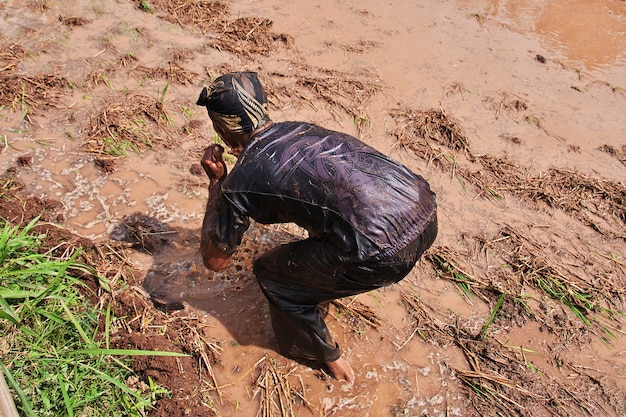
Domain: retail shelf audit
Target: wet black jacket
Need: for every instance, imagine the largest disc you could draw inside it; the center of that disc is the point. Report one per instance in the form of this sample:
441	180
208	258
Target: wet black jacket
339	189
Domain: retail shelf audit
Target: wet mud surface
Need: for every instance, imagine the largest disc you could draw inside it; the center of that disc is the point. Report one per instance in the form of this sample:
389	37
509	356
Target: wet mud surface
513	111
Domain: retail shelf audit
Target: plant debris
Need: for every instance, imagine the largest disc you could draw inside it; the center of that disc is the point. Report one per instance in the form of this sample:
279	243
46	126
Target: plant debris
500	379
432	125
174	73
619	154
202	14
597	203
106	165
273	388
347	92
142	232
74	21
249	36
357	313
34	91
10	56
128	122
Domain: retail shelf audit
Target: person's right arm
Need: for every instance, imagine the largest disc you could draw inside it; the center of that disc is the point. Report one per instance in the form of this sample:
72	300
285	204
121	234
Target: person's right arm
213	164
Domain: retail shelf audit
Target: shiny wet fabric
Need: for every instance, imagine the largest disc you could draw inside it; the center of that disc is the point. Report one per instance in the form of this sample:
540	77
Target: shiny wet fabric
329	183
298	278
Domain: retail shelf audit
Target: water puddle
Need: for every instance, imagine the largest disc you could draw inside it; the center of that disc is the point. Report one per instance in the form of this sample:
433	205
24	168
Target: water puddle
589	34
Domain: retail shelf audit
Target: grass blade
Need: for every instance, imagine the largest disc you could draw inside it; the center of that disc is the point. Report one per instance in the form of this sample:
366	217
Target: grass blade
18	391
492	316
66	398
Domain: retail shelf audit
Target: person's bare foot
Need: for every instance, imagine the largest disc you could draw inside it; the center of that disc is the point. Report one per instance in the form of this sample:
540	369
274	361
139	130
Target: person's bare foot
340	369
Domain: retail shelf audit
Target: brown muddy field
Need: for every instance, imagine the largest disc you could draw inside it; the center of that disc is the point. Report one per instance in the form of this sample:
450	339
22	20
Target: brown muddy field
513	110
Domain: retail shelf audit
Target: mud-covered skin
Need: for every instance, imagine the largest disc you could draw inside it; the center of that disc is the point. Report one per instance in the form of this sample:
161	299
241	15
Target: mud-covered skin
213	162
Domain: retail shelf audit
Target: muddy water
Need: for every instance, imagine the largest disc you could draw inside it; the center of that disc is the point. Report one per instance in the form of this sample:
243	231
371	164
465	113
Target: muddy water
390	362
419	50
465	56
588	34
152	183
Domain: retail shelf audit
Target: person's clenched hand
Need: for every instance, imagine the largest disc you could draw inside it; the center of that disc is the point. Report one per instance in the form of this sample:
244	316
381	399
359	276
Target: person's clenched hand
213	163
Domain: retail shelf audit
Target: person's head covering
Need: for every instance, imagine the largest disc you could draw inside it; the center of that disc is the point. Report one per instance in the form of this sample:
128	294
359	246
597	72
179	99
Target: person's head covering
236	101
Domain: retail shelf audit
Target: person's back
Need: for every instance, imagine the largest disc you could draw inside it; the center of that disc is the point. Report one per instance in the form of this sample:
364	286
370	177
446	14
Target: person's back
333	185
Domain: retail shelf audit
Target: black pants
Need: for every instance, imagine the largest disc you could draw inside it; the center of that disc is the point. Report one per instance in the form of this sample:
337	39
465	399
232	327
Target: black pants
297	277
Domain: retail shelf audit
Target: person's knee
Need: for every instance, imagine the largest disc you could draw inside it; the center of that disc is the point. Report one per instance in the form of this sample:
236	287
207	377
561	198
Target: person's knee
259	267
264	276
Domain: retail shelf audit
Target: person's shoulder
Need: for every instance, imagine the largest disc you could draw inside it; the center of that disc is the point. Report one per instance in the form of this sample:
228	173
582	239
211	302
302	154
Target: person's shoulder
287	132
312	129
293	125
291	129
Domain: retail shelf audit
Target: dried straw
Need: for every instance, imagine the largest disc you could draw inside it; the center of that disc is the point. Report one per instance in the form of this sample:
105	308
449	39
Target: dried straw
174	73
11	56
358	312
133	121
248	36
35	91
276	394
201	14
417	128
597	203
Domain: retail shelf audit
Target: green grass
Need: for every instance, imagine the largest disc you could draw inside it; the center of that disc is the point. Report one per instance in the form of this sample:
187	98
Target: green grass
116	147
492	317
54	358
446	268
579	303
145	6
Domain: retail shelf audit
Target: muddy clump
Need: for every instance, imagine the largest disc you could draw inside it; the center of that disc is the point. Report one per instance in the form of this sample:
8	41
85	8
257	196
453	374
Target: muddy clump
143	232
